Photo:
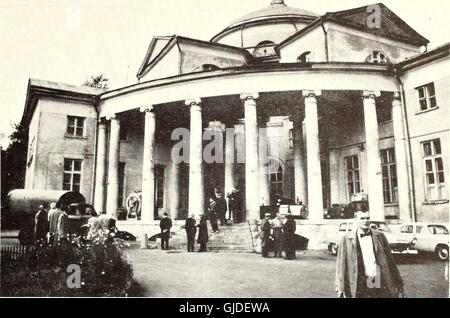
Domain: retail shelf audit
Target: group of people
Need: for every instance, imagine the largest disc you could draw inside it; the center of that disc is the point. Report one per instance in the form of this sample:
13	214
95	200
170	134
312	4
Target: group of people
218	207
278	235
51	223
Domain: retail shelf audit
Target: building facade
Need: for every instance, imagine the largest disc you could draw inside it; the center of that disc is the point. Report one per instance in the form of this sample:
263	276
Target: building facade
351	107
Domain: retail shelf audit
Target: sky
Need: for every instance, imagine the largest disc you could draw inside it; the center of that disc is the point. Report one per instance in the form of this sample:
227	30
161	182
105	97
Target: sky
67	41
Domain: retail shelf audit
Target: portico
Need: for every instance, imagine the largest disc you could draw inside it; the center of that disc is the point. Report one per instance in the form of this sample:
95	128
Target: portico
323	136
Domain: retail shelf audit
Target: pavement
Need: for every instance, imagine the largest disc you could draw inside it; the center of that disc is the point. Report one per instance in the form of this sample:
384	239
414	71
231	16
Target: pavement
181	274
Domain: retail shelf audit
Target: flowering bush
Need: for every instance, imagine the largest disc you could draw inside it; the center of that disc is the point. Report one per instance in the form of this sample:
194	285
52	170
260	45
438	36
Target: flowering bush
42	271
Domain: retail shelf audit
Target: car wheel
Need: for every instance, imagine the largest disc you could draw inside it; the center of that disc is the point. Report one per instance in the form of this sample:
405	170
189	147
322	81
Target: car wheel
442	252
333	249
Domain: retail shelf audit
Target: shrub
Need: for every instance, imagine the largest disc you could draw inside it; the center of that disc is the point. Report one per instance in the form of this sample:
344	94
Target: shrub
41	271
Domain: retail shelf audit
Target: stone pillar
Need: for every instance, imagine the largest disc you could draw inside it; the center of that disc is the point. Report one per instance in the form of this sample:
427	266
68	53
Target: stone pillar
174	195
196	185
230	182
374	177
299	164
401	159
251	157
334	176
148	168
99	198
305	162
113	167
264	167
315	197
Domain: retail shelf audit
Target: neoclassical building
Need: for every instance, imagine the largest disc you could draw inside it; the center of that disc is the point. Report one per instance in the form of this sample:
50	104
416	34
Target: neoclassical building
353	102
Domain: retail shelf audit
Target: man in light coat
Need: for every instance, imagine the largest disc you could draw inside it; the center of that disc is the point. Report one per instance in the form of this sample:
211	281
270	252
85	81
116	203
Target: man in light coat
365	267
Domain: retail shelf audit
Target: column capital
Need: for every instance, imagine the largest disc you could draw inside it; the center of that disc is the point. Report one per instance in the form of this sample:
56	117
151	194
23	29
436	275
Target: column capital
311	92
371	94
193	102
396	99
101	122
249	96
112	117
145	109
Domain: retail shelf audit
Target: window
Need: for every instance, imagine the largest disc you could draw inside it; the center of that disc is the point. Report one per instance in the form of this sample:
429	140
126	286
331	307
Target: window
291	138
265	49
427	97
72	174
437	229
419	229
276	182
389	173
353	179
75	126
407	229
434	170
378	57
304	58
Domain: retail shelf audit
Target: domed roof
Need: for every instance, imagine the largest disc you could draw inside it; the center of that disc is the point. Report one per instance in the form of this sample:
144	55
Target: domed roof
276	9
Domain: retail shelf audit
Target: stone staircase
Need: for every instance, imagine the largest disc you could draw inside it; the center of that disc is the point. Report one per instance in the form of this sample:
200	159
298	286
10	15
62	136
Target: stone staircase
231	238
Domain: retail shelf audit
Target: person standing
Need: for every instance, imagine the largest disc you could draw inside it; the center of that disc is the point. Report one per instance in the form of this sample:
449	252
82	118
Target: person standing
289	236
41	224
365	267
265	235
53	216
191	230
202	238
212	209
278	235
63	226
234	205
165	224
221	206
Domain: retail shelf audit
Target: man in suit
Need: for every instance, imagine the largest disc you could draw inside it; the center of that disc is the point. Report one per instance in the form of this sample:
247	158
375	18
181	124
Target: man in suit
221	206
165	224
41	224
202	238
63	225
289	228
53	216
265	235
234	206
191	229
365	267
278	235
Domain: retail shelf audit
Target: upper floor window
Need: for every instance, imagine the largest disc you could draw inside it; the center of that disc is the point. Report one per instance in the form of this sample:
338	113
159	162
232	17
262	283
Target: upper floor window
291	138
276	181
434	170
305	57
378	57
75	126
427	96
72	174
265	49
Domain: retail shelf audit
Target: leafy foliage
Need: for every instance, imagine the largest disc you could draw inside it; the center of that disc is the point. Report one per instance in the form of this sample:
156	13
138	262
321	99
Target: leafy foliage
97	81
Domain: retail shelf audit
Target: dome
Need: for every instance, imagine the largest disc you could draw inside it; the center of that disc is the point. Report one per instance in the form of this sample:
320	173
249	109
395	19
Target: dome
277	9
278	21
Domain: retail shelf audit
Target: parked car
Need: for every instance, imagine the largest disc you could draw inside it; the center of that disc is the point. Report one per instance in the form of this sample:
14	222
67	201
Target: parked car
346	211
336	211
397	242
428	238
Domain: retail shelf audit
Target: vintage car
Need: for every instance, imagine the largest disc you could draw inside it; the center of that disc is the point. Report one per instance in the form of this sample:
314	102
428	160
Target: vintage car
346	211
428	238
23	204
397	242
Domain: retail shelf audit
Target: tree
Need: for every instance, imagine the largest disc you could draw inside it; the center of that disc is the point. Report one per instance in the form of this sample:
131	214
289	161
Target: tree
97	81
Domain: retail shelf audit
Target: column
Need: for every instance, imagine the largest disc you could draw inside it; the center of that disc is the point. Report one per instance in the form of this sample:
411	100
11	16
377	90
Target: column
305	162
251	157
230	182
374	177
99	197
401	159
113	167
148	171
264	167
334	176
299	164
196	185
315	197
174	195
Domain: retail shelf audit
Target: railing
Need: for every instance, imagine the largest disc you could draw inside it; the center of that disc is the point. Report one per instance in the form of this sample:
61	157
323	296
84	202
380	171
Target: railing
13	253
